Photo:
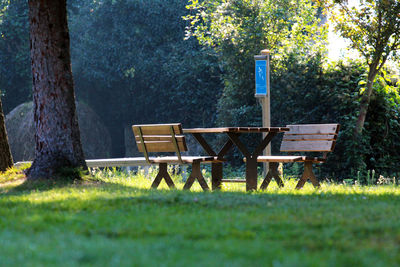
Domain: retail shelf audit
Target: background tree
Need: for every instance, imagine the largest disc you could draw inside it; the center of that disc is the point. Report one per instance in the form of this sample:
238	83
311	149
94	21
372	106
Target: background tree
373	28
5	152
131	64
15	71
57	133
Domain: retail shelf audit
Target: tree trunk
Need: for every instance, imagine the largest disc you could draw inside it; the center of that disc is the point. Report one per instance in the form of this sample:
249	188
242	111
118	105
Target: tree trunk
6	160
57	136
365	102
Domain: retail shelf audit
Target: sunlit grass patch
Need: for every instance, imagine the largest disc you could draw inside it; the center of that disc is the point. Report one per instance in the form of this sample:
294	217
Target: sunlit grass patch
15	174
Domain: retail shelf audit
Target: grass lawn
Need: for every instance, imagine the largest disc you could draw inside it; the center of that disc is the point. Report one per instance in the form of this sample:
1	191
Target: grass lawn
115	220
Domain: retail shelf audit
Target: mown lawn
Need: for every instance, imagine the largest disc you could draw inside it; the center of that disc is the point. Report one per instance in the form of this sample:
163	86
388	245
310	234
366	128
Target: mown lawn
115	220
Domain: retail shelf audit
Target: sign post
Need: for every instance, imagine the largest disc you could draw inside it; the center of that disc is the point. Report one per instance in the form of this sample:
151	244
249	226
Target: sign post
263	91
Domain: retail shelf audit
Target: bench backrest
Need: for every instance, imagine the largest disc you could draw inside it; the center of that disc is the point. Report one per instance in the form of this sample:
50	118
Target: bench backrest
310	138
160	138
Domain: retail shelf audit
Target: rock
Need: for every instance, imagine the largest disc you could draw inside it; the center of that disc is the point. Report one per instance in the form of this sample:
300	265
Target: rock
95	138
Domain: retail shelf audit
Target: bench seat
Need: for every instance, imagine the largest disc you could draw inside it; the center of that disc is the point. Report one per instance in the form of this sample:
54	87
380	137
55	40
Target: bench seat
286	159
184	159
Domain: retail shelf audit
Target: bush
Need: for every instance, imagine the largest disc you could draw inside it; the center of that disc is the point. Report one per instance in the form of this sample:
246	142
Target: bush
306	92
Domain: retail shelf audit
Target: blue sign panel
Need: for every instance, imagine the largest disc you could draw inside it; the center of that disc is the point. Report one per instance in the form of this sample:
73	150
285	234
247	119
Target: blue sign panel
261	77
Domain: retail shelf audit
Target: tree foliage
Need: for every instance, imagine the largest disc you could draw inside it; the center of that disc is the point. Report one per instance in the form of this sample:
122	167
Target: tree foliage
132	65
313	93
130	62
373	27
237	30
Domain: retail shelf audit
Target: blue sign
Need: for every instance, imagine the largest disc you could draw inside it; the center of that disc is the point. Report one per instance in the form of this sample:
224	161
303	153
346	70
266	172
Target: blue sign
261	77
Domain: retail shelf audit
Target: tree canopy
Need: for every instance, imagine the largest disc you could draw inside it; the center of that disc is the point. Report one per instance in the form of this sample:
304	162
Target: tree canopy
239	29
373	28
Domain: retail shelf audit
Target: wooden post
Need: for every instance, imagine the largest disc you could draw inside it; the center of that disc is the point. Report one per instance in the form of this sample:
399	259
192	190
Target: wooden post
264	98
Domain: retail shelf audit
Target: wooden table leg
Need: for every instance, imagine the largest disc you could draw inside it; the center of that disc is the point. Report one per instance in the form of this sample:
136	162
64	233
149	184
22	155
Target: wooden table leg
216	175
251	174
272	173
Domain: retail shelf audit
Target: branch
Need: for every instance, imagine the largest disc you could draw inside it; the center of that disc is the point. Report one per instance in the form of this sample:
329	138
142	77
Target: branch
365	31
351	37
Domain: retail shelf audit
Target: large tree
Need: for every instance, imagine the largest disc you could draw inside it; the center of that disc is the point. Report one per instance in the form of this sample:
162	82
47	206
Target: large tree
373	28
5	153
57	135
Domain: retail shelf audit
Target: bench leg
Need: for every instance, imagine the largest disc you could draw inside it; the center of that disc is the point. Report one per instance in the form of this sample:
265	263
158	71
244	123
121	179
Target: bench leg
163	173
308	174
272	173
196	174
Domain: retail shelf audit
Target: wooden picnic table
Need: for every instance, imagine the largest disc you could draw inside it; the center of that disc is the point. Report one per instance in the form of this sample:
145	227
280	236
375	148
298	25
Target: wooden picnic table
233	134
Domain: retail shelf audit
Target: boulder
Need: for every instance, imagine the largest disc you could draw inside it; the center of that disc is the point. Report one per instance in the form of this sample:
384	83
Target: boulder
95	138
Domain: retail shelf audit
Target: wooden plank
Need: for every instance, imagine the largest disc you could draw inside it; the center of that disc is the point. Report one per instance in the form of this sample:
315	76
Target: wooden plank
116	162
185	159
236	130
157	129
310	146
206	130
161	146
279	158
309	137
314	129
260	129
160	138
314	159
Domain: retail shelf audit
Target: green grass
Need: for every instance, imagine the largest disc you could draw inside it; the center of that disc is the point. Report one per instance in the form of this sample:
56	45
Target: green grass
115	220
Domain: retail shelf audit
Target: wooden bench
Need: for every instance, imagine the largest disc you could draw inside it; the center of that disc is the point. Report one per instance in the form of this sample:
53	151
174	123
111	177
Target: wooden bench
169	138
319	138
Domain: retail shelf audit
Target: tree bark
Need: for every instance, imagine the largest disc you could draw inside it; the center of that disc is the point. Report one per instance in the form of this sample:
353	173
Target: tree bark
364	104
57	136
6	160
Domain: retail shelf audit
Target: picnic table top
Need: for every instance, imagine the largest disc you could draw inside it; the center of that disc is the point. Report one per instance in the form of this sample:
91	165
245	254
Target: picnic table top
236	130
